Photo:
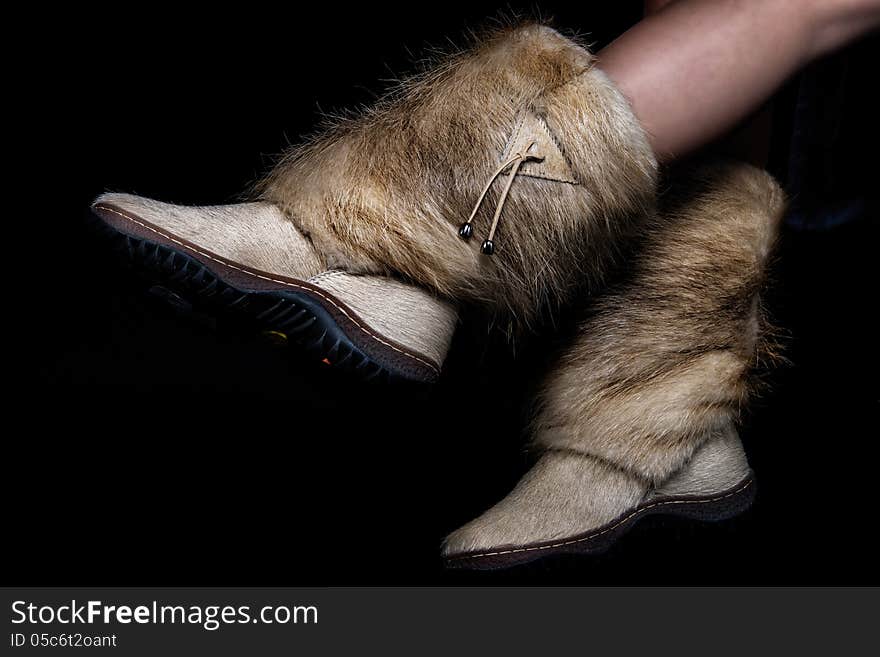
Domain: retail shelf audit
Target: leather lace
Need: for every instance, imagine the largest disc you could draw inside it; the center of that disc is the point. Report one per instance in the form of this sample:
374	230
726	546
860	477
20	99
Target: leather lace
516	161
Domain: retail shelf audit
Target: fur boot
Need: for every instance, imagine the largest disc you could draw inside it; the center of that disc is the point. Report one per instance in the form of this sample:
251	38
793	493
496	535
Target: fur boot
355	247
388	191
639	416
247	260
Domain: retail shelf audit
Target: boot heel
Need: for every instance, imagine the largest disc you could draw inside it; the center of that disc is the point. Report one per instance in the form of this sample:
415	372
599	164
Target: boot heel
399	325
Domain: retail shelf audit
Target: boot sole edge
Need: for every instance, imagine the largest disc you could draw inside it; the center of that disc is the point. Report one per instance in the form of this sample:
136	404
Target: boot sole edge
309	318
712	508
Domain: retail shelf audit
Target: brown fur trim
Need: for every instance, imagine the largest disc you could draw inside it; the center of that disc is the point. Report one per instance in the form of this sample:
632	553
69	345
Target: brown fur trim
386	191
666	357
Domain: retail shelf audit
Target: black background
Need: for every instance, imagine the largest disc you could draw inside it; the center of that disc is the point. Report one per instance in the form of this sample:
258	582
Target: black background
143	448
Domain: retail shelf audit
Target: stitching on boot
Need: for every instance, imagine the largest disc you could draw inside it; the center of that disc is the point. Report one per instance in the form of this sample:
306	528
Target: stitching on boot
330	273
556	143
635	512
603	460
549	134
514	135
273	280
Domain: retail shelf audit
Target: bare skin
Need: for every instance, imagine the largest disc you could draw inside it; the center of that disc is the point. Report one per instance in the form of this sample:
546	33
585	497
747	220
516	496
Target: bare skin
696	68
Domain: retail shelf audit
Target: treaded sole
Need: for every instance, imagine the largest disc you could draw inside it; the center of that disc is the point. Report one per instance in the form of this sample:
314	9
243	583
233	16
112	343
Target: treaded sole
296	318
721	506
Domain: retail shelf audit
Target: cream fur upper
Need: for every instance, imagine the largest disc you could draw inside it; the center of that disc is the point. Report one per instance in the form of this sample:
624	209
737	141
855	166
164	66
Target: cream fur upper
253	234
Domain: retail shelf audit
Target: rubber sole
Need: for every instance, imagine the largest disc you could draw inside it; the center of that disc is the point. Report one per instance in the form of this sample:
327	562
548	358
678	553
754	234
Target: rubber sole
296	313
721	506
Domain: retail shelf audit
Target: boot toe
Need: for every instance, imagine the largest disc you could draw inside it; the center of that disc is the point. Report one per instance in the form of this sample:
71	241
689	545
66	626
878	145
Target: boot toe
564	495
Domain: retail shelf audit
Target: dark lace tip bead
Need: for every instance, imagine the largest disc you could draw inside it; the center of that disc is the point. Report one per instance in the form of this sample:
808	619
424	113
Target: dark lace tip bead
466	231
488	247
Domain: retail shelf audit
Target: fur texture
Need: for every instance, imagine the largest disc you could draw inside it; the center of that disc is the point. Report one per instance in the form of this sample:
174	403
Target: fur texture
657	372
562	495
665	358
407	314
385	192
566	494
253	234
719	464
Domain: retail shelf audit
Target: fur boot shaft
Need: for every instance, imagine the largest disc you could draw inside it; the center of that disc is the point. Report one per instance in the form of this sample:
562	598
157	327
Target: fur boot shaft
386	191
639	412
666	357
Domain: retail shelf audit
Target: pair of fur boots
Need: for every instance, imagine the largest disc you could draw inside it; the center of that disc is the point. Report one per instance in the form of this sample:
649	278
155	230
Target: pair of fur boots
512	177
